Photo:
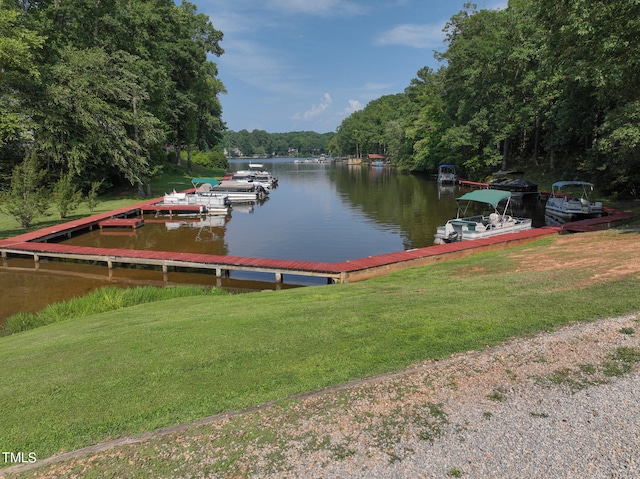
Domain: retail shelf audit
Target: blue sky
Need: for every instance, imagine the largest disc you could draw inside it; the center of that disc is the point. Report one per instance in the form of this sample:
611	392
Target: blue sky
305	65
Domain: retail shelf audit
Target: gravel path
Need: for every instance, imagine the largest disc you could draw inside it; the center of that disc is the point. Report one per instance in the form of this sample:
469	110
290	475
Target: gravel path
555	406
564	404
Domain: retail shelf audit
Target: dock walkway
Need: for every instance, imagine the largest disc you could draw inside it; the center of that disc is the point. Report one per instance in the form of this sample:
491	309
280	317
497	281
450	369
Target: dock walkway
36	245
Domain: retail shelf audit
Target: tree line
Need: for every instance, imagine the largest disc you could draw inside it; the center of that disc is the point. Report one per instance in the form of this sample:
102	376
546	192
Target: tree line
542	84
261	143
100	91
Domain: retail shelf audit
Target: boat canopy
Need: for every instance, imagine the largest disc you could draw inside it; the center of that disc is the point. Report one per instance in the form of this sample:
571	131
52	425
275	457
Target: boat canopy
508	173
492	197
562	184
202	181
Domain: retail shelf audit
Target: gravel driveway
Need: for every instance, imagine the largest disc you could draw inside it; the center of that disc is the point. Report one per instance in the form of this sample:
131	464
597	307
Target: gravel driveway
563	404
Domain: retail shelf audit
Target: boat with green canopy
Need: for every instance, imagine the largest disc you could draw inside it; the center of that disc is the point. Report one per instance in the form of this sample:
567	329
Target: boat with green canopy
470	227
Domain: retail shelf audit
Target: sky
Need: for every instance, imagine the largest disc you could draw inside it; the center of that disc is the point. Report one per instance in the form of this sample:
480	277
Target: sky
306	65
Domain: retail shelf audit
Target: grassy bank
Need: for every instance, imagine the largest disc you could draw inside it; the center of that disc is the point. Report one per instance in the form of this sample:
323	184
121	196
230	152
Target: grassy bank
173	177
99	301
85	380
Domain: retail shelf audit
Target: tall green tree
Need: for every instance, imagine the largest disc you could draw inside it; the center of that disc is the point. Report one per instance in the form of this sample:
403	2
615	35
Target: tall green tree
90	119
117	80
492	57
18	50
594	46
378	128
428	122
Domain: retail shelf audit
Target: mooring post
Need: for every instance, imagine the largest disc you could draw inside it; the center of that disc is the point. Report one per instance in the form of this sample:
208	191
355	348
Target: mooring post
278	277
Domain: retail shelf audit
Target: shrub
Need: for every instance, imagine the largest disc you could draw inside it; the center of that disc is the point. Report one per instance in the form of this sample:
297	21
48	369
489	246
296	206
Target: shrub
66	196
211	159
92	195
26	199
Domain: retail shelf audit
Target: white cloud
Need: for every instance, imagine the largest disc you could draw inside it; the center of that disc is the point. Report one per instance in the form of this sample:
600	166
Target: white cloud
318	7
354	105
260	67
315	110
500	5
412	35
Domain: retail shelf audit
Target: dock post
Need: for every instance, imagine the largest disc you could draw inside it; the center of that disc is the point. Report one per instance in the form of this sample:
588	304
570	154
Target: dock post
278	277
109	263
36	260
4	254
218	272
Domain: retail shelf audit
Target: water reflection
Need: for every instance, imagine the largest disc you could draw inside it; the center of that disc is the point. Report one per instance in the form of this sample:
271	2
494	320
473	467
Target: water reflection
319	212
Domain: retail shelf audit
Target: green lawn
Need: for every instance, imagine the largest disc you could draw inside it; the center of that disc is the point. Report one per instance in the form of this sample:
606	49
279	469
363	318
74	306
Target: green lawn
85	380
174	177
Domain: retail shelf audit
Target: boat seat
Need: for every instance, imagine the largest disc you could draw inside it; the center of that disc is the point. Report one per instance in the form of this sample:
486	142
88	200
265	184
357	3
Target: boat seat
494	219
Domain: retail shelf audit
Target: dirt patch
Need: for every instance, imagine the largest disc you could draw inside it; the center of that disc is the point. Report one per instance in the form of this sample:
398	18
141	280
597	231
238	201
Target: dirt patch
593	252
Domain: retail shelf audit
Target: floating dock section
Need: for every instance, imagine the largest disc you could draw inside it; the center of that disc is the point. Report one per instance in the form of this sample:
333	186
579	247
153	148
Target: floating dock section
121	223
36	245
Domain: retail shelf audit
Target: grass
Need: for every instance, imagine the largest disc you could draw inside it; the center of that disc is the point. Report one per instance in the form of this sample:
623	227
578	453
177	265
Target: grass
173	177
123	372
99	301
620	362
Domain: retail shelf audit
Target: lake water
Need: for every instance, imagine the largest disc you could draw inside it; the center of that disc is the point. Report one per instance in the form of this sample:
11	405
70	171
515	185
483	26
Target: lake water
319	212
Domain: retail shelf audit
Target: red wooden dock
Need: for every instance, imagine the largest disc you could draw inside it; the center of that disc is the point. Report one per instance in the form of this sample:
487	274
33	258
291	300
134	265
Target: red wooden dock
596	224
121	223
35	244
472	184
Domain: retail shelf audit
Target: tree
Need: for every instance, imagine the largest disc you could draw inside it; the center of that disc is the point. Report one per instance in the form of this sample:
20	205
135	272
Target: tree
372	130
90	119
18	46
428	121
492	61
113	82
593	46
66	196
27	198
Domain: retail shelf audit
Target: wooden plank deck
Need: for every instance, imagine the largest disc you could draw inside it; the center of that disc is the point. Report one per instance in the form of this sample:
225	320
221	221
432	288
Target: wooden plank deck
345	271
121	223
596	224
35	244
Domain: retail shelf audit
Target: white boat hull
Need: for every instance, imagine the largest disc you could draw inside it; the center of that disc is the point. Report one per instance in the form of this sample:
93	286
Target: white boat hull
572	210
478	227
213	204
